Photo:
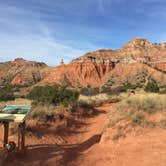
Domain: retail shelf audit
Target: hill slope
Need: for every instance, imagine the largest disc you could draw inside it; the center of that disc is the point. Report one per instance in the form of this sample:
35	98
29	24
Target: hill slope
22	72
93	68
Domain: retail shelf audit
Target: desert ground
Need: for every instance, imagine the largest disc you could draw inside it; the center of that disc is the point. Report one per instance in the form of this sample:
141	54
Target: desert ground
87	142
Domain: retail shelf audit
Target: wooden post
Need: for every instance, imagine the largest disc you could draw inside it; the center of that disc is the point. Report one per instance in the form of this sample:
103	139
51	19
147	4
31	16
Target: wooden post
22	146
6	130
19	136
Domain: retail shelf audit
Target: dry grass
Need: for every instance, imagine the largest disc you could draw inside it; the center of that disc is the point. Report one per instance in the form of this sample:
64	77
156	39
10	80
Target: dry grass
137	111
149	103
40	111
99	99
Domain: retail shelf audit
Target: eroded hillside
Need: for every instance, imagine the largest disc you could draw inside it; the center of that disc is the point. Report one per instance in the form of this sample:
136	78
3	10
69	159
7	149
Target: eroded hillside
93	68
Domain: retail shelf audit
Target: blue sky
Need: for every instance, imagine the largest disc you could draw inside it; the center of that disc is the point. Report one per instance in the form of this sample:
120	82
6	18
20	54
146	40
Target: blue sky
49	30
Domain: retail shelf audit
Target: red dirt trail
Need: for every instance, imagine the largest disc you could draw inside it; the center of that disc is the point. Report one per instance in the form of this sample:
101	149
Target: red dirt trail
85	147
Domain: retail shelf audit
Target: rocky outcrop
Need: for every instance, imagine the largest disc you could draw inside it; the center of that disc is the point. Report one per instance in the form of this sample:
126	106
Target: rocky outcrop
134	73
22	72
93	68
78	74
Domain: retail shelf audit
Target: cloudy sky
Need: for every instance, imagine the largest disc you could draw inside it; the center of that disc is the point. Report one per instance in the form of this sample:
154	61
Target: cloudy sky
49	30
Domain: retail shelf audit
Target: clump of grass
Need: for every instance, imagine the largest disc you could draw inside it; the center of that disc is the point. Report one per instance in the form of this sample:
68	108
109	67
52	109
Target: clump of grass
137	118
117	136
99	99
118	116
84	104
148	123
38	112
149	103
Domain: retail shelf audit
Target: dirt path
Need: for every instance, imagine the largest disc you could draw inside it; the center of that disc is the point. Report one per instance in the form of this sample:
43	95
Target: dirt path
90	136
69	149
82	147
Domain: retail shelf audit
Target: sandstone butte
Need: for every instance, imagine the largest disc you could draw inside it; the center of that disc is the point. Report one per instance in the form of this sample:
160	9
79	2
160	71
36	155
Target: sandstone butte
93	68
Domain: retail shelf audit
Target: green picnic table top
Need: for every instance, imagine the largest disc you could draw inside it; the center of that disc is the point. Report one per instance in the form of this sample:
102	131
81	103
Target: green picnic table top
15	113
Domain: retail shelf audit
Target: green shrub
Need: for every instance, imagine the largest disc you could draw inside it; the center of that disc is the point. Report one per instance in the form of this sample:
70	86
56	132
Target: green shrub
152	86
45	94
88	91
67	97
128	86
105	89
85	104
6	93
51	94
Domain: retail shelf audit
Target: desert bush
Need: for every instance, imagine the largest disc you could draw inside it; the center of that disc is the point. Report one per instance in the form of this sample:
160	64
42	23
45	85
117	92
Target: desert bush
136	108
38	112
99	99
56	95
105	89
149	103
152	86
85	104
114	99
128	85
137	117
67	97
89	91
6	93
45	94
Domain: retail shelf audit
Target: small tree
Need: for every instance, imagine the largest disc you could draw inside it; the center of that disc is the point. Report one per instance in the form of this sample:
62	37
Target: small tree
152	86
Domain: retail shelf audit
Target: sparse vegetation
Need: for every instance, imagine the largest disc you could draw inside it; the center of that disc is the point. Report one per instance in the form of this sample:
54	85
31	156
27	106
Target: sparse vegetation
117	136
141	110
89	91
51	94
137	117
99	99
6	93
149	103
152	86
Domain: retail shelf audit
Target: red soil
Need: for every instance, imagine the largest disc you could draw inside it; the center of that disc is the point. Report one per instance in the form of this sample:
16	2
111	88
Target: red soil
85	146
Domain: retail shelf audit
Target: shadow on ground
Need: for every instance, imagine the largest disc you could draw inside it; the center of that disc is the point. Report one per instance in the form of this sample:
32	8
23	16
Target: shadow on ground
42	154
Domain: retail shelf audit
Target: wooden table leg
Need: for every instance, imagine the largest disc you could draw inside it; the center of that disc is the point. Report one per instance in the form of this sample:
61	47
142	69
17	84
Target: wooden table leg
19	136
6	132
22	135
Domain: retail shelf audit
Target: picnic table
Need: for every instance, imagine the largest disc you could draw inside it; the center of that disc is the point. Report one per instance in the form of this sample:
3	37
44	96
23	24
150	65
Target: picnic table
16	114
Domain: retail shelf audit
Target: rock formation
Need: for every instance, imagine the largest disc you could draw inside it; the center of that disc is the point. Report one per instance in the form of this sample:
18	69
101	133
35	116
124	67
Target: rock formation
93	68
22	72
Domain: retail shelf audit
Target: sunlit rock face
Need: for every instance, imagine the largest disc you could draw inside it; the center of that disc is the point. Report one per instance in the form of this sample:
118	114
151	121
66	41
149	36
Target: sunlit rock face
91	69
22	72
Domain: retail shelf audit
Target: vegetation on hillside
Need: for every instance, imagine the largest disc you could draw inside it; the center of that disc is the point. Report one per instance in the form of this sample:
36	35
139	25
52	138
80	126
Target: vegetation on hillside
141	110
6	93
152	86
52	94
